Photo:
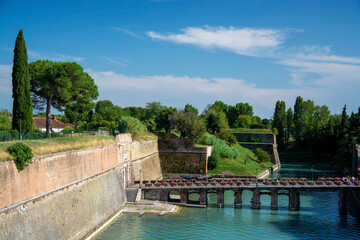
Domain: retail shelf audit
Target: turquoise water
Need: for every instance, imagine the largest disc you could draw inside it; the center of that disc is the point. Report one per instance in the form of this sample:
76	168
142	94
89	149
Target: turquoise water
318	218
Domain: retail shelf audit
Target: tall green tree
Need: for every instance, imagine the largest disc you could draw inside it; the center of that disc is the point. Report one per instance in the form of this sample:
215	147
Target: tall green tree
289	123
58	84
279	120
22	105
298	119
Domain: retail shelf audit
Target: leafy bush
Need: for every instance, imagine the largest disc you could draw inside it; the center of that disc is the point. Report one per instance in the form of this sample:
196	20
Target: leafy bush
227	136
67	129
132	125
8	135
22	155
212	162
262	155
275	131
220	147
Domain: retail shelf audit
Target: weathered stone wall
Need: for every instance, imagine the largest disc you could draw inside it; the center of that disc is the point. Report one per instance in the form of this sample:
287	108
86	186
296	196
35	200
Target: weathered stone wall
70	213
194	163
52	171
150	168
179	155
137	155
261	137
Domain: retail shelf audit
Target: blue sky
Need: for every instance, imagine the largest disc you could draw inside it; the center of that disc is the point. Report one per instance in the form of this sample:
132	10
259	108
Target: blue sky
196	52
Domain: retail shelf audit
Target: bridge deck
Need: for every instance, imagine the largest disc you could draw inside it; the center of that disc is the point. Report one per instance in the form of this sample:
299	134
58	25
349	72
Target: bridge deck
253	186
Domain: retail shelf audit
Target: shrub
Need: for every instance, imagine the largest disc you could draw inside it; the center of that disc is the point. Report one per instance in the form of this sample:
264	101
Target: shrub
67	129
262	155
227	136
22	155
220	147
275	131
212	162
132	125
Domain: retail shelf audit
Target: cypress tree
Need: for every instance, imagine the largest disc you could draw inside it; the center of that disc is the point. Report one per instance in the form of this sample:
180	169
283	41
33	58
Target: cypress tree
22	105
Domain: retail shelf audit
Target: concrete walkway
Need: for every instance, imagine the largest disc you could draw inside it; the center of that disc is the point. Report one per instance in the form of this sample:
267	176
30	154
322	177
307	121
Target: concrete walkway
147	206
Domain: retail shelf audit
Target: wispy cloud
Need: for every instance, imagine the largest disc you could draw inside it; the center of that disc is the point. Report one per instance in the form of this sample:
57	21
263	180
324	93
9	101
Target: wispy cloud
243	41
53	56
117	61
123	30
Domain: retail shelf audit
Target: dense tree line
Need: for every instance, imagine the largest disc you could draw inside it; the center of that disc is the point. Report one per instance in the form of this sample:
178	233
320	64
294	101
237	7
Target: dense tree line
314	127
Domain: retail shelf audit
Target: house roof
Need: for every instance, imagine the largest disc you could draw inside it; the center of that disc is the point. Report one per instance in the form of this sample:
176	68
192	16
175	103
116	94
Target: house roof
41	122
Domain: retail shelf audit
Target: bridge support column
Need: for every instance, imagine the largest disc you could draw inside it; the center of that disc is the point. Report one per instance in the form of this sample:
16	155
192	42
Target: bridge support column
256	199
294	200
238	198
183	196
164	195
274	199
343	208
220	198
203	197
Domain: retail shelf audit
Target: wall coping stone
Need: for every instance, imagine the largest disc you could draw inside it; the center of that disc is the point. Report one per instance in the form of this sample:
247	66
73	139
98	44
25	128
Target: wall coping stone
59	153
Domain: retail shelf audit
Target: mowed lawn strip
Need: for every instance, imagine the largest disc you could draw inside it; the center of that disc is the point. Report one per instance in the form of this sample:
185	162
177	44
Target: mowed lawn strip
54	145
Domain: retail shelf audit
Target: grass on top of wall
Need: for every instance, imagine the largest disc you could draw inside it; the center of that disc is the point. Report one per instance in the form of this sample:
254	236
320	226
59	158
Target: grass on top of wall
248	130
54	145
238	167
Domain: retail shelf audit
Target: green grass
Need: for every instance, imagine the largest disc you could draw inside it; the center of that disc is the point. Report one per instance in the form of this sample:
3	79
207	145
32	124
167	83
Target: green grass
238	167
54	145
248	130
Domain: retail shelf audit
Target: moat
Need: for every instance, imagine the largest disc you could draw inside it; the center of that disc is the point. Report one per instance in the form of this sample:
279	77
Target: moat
318	219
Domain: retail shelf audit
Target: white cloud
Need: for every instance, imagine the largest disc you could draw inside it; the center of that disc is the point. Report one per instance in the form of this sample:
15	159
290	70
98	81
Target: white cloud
185	89
5	79
324	74
243	41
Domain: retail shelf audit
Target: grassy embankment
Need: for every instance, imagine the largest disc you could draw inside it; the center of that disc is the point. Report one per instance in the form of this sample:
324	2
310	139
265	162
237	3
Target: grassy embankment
235	160
245	164
54	145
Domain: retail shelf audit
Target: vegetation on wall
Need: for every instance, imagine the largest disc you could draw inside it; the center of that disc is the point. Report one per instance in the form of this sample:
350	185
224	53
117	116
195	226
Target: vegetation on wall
22	155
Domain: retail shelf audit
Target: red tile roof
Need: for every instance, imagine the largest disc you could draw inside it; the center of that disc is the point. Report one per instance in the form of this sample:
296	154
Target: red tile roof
41	122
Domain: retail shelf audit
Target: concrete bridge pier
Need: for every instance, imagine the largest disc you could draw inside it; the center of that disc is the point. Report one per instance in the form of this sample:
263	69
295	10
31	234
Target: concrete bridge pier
274	199
220	198
203	197
183	196
294	200
238	198
343	208
255	202
164	195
